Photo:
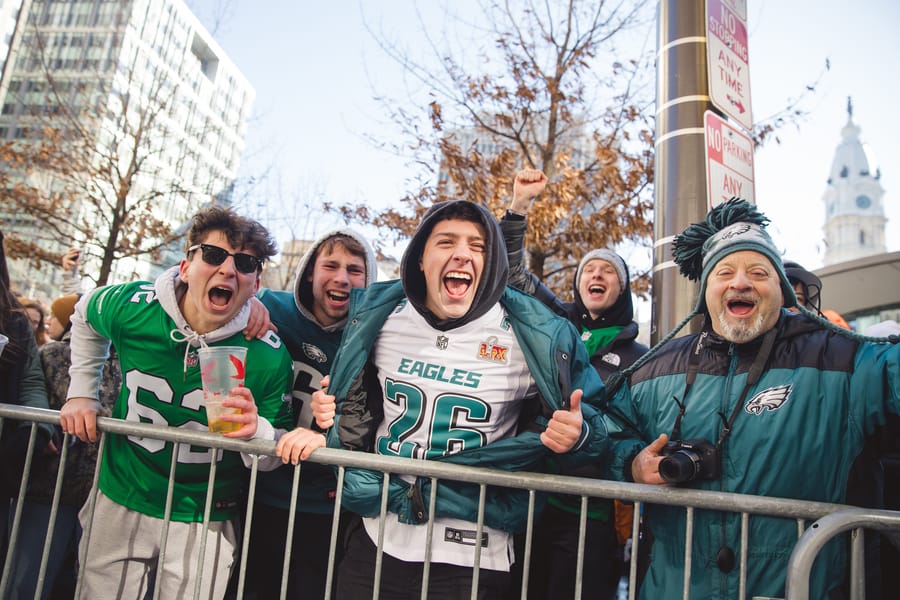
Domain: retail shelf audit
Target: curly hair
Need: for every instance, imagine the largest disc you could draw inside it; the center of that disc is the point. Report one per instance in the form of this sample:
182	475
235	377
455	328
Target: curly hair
240	231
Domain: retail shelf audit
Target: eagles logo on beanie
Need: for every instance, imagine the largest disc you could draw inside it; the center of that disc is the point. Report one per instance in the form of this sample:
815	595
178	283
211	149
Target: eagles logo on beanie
730	227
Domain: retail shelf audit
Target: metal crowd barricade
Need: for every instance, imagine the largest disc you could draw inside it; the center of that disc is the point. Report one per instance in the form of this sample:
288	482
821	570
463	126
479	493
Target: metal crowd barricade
830	519
823	530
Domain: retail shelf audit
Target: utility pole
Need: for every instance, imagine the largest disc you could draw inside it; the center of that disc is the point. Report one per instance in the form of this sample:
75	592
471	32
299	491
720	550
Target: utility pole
682	96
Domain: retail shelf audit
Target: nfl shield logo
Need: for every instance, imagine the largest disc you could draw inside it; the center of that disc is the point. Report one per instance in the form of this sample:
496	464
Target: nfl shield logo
442	342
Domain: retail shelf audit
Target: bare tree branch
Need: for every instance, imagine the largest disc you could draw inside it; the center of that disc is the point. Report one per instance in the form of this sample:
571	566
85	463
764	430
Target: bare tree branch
508	91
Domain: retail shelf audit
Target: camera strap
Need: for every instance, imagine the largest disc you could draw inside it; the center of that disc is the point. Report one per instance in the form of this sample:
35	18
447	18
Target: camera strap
725	557
753	376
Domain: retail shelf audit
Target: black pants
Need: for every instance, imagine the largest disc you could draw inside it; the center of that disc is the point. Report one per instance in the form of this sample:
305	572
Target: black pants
554	558
307	570
401	580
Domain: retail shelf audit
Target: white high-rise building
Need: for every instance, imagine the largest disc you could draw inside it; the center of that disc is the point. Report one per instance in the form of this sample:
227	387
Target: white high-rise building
578	144
9	12
131	59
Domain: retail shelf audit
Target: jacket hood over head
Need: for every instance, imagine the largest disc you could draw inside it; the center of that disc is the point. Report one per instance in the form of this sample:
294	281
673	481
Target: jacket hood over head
493	277
303	288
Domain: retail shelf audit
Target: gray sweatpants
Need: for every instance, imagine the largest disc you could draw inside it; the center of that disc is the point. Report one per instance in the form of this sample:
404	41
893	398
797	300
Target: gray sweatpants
123	555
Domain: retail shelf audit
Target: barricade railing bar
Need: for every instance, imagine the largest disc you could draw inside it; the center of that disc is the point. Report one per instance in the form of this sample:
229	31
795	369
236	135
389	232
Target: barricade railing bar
831	519
819	533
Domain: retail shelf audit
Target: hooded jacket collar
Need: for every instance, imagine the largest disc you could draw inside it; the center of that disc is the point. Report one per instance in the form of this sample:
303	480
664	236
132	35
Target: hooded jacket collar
169	288
303	297
493	277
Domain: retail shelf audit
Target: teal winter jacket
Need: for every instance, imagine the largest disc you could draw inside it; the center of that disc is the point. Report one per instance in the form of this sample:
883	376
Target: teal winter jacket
558	362
796	436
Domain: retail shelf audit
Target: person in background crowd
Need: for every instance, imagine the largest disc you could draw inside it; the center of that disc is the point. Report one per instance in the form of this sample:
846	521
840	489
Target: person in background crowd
71	280
37	314
807	287
310	320
21	383
157	328
835	317
772	403
808	290
449	363
60	574
602	312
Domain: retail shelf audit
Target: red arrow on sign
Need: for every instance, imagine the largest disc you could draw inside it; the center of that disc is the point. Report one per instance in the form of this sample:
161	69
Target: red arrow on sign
737	103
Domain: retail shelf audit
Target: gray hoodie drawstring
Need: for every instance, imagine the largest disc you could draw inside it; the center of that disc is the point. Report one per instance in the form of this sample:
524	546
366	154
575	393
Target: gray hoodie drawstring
191	337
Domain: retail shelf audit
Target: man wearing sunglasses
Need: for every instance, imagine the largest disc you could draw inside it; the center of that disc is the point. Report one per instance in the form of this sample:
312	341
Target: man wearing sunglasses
157	329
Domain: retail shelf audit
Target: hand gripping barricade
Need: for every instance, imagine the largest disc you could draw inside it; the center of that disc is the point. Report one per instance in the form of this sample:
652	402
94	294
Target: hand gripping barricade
816	522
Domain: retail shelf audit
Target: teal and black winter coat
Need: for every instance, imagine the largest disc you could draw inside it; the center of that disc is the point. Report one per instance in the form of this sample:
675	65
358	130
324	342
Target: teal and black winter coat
558	362
796	436
312	346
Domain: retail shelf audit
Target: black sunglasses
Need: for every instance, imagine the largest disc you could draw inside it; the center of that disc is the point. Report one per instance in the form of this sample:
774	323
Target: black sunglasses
215	256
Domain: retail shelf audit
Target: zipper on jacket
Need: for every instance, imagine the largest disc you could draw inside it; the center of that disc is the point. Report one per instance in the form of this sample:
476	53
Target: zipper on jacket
417	503
564	377
724	408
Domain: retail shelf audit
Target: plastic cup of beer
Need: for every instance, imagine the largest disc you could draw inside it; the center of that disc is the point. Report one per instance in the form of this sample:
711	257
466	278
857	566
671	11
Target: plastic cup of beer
221	369
3	341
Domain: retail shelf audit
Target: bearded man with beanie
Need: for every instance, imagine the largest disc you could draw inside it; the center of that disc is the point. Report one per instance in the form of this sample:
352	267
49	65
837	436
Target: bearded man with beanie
784	402
451	364
602	312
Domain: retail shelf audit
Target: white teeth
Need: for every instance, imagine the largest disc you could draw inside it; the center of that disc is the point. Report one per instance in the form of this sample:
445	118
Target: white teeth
464	276
338	295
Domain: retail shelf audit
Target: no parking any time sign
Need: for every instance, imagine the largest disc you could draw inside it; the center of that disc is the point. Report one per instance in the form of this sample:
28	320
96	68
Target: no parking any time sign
729	161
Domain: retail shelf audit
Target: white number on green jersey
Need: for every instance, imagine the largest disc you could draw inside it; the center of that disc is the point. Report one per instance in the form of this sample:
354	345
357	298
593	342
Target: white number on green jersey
135	382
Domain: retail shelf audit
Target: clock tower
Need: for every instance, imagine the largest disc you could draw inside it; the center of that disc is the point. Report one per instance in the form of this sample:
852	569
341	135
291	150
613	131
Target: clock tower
854	212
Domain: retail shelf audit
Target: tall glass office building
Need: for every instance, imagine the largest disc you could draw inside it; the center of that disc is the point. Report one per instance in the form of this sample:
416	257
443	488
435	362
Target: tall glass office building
160	94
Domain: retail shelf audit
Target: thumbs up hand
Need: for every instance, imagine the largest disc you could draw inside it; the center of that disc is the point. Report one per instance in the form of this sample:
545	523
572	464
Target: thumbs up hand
323	405
564	429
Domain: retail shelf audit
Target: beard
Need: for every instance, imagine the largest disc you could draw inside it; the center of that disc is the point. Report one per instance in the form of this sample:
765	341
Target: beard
741	332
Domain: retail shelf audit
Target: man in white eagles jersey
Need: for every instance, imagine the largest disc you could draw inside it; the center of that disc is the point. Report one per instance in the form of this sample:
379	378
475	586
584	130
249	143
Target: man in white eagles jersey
448	363
157	329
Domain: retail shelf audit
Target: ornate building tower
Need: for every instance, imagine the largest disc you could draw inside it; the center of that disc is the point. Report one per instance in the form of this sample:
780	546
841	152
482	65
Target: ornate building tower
854	212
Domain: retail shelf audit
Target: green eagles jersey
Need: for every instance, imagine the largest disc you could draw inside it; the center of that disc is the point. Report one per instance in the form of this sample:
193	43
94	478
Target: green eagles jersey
161	385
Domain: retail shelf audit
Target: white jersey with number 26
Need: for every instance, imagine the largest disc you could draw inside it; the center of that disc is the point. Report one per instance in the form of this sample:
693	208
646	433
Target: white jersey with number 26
444	392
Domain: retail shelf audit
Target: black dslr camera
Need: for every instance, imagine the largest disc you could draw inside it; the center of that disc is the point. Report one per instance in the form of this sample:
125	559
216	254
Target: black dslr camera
689	460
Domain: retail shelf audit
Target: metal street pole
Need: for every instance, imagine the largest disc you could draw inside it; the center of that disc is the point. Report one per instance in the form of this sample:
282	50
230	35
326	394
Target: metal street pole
682	96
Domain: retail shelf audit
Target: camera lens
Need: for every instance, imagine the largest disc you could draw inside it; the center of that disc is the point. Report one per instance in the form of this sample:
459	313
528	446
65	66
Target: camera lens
679	467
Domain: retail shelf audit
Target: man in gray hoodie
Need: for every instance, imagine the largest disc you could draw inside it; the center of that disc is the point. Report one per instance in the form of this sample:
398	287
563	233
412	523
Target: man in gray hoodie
157	329
310	320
